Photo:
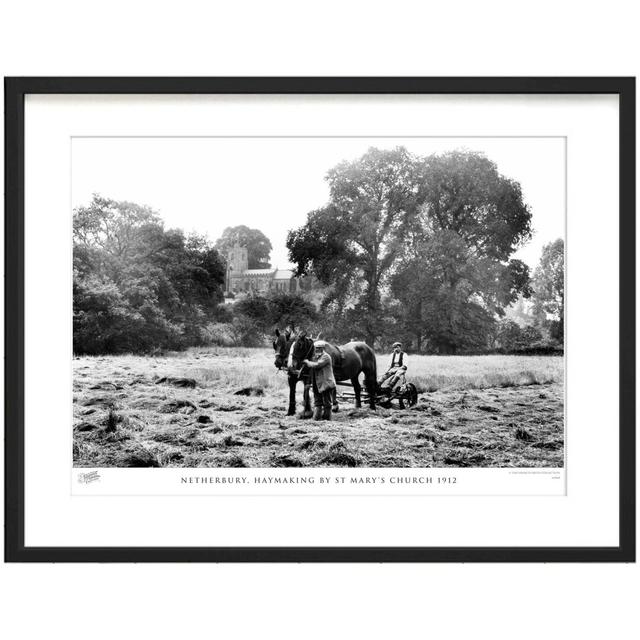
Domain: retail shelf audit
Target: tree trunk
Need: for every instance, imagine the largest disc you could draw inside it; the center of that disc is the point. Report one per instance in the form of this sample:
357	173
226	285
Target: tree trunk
372	309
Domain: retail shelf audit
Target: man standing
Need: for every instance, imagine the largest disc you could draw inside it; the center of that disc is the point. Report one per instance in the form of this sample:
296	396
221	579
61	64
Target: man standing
397	368
322	381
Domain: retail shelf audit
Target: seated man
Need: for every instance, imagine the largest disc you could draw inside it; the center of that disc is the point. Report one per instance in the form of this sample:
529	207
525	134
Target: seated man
396	370
322	380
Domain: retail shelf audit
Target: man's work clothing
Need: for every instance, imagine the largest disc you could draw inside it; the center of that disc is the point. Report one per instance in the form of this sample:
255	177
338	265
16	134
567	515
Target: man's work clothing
322	403
396	368
322	373
323	383
398	360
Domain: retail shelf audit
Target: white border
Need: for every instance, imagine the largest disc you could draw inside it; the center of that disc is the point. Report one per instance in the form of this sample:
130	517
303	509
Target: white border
587	516
448	481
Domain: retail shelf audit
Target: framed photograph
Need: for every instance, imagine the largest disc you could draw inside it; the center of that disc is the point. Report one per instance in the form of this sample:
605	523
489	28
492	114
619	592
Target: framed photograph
320	319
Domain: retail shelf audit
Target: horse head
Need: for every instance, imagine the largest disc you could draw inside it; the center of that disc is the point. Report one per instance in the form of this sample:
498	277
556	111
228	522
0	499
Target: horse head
302	349
281	347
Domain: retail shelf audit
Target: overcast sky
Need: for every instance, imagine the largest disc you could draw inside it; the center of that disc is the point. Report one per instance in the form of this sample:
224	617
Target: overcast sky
207	184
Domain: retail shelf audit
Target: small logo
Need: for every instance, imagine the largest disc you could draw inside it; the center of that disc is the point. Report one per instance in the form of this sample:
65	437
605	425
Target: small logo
88	477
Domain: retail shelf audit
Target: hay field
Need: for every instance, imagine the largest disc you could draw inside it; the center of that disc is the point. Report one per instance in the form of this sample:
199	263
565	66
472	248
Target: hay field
473	411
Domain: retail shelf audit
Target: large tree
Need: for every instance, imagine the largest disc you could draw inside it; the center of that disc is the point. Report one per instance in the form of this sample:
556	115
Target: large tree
450	295
440	230
456	276
137	286
257	244
121	229
353	241
548	289
463	191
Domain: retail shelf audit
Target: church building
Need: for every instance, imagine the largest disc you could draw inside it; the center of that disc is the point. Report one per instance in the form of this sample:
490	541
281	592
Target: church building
241	279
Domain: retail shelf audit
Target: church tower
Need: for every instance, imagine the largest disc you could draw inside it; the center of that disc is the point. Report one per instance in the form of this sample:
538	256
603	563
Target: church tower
238	260
237	264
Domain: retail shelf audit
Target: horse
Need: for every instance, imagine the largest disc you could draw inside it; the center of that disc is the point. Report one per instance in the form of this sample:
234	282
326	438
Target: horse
282	346
349	360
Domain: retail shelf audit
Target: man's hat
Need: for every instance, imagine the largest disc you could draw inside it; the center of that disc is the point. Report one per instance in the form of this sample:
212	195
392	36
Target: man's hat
320	344
396	344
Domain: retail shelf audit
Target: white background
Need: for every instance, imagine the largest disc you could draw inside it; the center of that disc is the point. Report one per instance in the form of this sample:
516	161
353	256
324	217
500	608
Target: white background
372	38
586	516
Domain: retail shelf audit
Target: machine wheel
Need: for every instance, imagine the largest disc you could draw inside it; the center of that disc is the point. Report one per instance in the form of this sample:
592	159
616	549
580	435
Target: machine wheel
412	395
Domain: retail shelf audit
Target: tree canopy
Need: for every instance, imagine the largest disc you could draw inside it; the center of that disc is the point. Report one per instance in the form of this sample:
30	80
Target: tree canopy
256	242
433	233
137	286
358	235
548	288
463	192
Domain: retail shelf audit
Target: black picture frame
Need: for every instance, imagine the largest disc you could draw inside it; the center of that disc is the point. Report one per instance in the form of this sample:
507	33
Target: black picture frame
15	91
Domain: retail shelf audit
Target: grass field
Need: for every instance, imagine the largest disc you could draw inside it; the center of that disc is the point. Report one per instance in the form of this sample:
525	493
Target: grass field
473	411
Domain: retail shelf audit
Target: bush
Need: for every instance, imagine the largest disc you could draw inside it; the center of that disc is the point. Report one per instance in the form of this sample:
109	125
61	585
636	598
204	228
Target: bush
251	320
137	287
220	334
528	340
246	333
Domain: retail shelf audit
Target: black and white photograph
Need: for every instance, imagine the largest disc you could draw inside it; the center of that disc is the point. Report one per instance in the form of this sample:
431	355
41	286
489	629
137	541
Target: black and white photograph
320	320
272	302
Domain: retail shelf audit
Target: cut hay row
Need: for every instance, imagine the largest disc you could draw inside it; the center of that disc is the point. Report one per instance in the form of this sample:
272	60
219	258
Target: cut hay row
201	409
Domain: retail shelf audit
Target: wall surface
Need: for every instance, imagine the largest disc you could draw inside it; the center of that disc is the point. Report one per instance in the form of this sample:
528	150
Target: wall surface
335	38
